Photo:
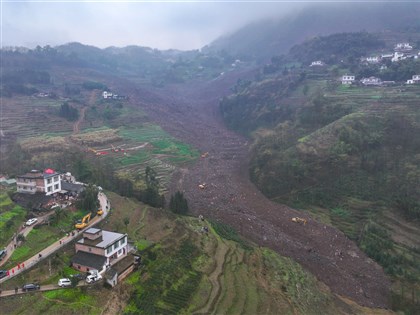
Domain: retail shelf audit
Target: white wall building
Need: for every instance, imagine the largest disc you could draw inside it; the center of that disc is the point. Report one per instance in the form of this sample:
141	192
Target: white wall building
48	182
347	79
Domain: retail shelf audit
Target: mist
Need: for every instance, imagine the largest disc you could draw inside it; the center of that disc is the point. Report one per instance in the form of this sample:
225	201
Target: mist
162	25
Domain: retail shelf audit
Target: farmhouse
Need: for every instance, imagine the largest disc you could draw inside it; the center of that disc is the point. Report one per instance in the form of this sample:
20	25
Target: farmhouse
414	80
397	56
371	81
372	60
347	79
48	182
106	94
403	47
317	63
98	249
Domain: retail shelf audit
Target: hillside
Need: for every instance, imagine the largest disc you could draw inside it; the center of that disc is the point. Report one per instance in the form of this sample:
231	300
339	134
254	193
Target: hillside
278	36
168	128
347	155
184	271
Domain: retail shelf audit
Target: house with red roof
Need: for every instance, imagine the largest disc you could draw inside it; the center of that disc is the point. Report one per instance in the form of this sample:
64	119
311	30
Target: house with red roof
48	182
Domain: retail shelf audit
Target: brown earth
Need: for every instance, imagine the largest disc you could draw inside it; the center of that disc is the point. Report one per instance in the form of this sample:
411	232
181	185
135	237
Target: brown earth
190	113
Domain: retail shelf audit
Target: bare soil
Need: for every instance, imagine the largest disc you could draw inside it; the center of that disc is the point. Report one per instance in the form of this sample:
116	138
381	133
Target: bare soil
190	112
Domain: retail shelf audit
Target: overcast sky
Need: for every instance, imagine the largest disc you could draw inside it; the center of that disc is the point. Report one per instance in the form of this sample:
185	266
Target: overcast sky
157	24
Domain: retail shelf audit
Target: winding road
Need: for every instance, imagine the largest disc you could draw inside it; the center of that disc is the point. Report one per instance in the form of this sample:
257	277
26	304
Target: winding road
30	262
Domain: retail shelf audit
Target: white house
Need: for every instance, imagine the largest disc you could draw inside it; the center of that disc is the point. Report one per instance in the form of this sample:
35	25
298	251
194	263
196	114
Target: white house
414	80
387	56
397	56
106	94
347	79
373	60
48	182
317	63
99	249
403	47
371	81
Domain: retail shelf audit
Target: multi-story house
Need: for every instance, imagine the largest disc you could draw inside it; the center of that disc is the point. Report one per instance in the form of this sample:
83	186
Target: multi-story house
48	182
99	249
347	79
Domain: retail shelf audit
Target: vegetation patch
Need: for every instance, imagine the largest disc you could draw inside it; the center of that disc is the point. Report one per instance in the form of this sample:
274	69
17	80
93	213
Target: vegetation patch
98	137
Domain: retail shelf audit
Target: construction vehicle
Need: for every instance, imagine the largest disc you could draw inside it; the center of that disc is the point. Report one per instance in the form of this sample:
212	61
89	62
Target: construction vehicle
100	211
204	155
299	220
93	150
81	224
114	149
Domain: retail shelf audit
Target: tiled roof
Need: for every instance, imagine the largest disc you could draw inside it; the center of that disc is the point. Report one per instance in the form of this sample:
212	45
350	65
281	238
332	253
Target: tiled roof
89	260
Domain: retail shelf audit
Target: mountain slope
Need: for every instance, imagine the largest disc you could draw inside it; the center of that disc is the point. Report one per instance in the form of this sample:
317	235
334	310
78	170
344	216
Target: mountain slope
278	36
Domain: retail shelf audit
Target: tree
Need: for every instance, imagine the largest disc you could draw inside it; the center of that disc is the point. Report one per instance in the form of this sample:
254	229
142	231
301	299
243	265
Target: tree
89	199
126	222
178	203
68	112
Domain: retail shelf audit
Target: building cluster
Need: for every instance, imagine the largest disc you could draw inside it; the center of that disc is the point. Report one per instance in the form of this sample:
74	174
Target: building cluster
401	51
109	95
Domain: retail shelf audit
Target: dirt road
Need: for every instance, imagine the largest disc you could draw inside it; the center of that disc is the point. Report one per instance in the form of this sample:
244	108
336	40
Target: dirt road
190	112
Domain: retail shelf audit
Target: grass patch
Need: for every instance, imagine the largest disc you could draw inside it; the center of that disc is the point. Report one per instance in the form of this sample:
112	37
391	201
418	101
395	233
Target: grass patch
299	286
229	233
161	141
11	219
36	240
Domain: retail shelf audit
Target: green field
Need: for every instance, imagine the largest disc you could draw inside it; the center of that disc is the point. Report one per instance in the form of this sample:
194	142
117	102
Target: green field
12	217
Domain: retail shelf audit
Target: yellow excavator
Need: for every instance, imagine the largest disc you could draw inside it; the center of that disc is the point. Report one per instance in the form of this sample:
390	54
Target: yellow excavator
100	211
299	220
81	224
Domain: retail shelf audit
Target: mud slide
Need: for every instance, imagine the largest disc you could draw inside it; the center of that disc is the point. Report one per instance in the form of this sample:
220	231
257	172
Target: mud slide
76	126
190	113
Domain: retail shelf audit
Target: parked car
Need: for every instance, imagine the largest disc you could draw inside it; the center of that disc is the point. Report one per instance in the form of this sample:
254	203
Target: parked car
31	221
30	287
93	278
3	273
3	253
65	282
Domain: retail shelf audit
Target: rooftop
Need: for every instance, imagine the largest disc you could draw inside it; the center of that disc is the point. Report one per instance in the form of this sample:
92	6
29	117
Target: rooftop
108	238
89	260
37	174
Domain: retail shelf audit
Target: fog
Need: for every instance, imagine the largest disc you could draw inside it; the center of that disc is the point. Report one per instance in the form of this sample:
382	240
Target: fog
157	24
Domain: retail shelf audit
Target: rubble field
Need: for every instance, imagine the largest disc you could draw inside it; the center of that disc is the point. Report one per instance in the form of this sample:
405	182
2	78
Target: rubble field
190	113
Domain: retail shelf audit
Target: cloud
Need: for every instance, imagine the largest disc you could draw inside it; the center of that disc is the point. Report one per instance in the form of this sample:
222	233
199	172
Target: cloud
163	25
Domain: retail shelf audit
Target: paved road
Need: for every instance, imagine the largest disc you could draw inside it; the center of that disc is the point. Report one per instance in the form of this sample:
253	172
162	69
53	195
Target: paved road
47	287
24	230
106	206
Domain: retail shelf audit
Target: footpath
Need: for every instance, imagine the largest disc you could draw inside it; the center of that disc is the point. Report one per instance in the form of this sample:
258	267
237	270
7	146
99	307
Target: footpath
29	263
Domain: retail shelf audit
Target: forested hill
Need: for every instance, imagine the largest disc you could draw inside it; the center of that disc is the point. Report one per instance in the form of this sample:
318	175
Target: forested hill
348	155
278	36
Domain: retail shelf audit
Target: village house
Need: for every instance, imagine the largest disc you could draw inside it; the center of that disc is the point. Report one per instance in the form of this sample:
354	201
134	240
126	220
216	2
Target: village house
372	60
48	182
414	80
317	63
347	79
403	47
371	81
98	249
397	56
387	56
106	94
